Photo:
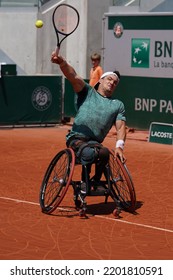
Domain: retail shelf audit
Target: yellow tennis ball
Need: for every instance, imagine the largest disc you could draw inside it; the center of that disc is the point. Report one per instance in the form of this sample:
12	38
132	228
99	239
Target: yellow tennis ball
39	23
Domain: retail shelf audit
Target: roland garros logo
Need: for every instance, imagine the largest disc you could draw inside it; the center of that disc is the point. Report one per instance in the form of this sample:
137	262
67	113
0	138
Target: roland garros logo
41	98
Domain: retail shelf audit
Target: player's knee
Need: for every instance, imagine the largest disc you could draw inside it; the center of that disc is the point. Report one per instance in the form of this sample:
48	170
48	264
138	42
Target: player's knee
92	154
87	155
103	154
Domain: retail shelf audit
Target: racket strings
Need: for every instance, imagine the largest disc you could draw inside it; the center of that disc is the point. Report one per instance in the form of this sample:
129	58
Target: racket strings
65	20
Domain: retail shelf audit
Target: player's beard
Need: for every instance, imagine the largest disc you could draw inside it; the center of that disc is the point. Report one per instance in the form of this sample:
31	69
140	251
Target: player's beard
108	90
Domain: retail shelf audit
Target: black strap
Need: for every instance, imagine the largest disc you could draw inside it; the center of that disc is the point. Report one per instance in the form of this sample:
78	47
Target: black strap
79	143
76	137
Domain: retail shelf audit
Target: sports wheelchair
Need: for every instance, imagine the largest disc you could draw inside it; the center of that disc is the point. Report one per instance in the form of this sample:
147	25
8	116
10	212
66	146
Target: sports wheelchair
117	184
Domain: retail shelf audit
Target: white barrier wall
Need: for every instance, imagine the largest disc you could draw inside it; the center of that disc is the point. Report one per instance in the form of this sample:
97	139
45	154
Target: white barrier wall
30	48
18	36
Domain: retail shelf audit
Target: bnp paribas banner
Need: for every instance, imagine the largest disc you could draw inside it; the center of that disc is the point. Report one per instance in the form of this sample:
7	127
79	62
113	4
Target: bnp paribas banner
143	46
140	46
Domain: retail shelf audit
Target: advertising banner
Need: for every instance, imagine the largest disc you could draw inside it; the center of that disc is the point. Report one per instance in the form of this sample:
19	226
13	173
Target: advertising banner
161	133
30	100
140	46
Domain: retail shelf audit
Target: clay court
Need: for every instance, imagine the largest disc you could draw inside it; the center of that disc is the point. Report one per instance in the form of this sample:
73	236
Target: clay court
27	233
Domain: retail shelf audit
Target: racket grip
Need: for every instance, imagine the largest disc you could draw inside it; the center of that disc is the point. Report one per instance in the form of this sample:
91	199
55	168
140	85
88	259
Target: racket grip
57	51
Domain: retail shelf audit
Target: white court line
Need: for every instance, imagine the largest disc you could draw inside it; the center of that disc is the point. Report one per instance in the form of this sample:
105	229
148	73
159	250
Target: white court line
136	224
19	200
27	202
97	216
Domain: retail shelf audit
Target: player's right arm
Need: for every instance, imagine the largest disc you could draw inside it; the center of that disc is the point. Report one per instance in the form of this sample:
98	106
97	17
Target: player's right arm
77	82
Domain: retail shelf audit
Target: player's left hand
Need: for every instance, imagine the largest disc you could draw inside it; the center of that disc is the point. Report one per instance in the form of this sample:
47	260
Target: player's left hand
119	152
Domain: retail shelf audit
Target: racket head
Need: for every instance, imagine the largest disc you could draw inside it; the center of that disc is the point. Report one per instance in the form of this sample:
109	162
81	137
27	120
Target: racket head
65	19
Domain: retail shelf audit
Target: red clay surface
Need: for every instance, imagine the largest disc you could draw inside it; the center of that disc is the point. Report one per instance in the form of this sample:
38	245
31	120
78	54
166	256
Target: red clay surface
27	233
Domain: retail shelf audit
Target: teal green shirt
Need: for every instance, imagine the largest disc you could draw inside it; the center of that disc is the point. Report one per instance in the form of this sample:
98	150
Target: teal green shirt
96	114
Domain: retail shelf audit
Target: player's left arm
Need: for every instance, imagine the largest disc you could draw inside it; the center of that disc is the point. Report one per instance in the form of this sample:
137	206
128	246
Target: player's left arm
121	137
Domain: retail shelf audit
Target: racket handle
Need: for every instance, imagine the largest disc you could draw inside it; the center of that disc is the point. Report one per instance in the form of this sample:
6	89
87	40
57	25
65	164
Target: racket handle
57	50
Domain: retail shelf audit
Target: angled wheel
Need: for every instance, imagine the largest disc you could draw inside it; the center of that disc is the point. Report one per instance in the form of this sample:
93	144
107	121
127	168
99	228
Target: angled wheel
56	180
121	184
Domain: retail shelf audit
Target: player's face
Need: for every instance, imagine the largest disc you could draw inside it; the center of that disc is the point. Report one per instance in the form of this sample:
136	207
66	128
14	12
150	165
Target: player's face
109	84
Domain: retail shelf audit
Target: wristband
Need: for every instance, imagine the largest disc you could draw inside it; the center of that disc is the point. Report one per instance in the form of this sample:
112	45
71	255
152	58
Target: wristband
120	144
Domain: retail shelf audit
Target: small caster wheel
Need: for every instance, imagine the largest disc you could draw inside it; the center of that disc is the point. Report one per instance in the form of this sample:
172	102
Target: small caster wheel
116	213
82	213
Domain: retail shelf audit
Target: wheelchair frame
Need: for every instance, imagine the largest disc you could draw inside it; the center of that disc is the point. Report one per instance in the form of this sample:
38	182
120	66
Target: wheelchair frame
58	177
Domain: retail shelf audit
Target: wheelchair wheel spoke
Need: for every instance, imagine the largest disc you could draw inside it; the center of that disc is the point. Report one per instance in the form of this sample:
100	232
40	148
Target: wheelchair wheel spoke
122	185
56	180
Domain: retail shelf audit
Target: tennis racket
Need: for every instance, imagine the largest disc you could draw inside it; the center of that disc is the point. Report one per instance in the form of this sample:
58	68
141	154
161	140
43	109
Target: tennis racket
65	20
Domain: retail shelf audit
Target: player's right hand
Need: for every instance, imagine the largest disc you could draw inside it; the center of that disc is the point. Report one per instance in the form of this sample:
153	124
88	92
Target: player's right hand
57	59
